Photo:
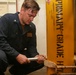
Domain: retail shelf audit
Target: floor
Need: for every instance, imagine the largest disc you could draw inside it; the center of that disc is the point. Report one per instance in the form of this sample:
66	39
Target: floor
42	71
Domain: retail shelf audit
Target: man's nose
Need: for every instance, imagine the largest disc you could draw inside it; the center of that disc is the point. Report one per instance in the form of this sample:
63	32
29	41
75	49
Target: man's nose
32	18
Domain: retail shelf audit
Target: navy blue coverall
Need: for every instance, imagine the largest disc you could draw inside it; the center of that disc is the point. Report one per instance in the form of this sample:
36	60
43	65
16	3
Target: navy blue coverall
13	40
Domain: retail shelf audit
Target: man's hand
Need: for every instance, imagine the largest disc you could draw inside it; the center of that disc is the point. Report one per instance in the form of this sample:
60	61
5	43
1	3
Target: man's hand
22	59
41	58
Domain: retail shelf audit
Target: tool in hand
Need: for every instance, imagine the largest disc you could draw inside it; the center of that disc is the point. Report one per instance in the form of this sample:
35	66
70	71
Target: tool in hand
51	64
47	63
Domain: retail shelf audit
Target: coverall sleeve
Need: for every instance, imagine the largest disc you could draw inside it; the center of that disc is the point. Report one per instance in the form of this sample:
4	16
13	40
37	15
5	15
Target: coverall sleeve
32	43
4	45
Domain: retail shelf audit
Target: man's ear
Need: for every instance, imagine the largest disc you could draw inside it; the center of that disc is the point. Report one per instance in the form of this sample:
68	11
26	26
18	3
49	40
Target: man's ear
22	9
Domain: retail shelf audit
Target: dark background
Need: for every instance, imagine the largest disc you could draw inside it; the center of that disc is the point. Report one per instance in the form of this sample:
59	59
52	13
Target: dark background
75	27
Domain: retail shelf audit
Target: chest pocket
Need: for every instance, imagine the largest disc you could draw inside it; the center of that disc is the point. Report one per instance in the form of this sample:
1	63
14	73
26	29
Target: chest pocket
26	38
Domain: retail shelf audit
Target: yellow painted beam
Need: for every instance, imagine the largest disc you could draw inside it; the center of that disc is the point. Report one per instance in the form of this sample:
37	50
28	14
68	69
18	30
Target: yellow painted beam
60	33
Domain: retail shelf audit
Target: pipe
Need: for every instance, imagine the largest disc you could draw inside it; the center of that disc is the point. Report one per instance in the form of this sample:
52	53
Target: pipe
66	66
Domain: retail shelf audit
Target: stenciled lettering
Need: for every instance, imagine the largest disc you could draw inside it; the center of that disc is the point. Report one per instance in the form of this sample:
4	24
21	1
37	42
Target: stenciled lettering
59	35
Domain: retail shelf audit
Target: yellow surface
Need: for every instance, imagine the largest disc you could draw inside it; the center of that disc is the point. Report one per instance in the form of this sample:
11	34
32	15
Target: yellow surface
60	33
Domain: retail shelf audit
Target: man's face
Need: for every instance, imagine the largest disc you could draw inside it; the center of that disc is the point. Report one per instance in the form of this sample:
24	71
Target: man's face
28	16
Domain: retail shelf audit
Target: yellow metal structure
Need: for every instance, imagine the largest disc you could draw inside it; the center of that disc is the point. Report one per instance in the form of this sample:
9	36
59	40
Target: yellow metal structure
60	34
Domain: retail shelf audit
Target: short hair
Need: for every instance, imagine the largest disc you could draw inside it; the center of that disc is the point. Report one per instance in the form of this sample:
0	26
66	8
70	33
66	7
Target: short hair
31	4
